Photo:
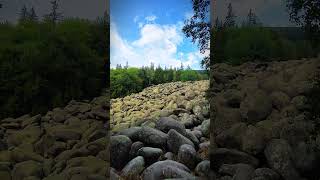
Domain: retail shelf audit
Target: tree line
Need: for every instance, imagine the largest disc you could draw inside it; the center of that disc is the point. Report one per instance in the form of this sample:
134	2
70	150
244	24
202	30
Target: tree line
252	41
46	63
126	80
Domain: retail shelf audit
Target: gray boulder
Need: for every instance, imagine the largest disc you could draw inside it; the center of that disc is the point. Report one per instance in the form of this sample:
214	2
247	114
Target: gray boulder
133	168
175	140
278	154
231	156
150	154
166	169
187	156
119	150
203	168
164	124
256	106
266	173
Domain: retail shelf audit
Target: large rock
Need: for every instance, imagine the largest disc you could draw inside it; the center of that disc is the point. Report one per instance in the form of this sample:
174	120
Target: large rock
119	150
253	140
232	138
187	156
203	168
149	136
219	156
237	171
266	173
233	98
279	99
256	106
175	140
134	149
205	128
166	169
164	124
133	168
278	154
150	154
225	118
26	169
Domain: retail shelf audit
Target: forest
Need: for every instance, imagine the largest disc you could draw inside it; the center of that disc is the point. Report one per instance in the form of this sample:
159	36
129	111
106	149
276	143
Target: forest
127	80
251	40
46	62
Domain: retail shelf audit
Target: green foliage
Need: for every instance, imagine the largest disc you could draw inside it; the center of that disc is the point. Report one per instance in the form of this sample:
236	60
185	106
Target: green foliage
239	45
307	14
44	65
198	27
125	81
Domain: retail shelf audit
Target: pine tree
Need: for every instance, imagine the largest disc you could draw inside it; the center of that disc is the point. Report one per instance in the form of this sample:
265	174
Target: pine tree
54	16
218	23
23	14
181	66
252	19
32	15
230	18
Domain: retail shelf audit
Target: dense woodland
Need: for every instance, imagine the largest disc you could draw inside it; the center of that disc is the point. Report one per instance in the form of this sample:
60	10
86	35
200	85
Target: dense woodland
251	40
127	80
46	63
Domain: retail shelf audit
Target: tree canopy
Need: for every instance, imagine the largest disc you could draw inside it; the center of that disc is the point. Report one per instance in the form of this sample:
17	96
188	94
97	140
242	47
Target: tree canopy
43	65
198	27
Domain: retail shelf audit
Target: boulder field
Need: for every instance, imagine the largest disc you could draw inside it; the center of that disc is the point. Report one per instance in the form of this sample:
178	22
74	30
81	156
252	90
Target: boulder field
161	133
260	129
65	143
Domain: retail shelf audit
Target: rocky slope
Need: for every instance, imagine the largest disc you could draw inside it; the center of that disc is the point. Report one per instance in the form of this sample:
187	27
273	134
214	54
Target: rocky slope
260	130
161	132
66	143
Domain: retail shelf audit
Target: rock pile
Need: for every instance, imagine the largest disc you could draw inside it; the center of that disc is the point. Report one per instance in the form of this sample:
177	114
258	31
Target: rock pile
161	133
66	143
260	130
177	98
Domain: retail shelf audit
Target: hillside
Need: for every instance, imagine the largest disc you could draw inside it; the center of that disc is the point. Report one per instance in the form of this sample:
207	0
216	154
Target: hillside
161	132
260	125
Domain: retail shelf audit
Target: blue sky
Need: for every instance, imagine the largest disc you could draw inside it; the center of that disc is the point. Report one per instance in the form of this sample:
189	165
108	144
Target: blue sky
145	31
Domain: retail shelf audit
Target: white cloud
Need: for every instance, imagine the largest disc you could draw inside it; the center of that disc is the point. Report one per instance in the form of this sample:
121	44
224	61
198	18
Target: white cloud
157	44
151	18
194	58
121	51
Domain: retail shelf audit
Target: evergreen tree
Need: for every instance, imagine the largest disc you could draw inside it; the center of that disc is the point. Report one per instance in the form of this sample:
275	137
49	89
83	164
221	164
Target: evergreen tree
55	15
181	66
252	19
23	14
32	15
230	18
198	27
218	23
127	65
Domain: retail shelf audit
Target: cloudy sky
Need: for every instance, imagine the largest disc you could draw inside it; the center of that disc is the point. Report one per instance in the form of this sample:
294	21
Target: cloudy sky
145	31
89	9
270	12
